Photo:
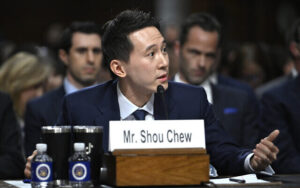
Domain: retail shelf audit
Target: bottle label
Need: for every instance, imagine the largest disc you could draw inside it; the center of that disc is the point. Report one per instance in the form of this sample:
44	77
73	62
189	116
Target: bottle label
79	171
41	171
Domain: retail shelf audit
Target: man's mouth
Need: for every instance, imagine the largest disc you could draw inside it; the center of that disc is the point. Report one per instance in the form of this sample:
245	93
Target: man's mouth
163	77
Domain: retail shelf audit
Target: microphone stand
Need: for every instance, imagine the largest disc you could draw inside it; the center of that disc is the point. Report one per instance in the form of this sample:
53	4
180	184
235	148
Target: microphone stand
161	91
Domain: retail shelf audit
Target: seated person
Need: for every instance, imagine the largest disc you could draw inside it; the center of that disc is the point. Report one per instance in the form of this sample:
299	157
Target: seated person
12	160
281	110
135	51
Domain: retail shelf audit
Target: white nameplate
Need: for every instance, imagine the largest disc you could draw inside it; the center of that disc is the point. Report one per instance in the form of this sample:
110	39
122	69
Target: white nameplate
156	134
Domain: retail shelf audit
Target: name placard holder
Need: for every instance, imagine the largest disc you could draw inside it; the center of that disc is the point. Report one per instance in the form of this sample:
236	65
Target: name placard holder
157	167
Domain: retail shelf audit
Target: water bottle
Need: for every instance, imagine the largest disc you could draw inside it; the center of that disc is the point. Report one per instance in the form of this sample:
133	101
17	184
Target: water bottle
41	168
79	167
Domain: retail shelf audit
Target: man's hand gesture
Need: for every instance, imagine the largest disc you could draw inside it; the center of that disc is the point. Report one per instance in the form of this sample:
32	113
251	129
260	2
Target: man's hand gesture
265	152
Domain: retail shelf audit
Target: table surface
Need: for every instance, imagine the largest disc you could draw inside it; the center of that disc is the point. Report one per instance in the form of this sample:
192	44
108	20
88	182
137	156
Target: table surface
286	181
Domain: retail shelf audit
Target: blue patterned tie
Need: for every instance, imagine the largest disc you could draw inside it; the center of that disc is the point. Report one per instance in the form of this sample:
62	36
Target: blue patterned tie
139	114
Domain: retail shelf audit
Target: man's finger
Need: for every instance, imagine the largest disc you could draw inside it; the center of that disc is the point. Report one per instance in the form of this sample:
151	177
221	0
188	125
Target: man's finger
273	135
270	145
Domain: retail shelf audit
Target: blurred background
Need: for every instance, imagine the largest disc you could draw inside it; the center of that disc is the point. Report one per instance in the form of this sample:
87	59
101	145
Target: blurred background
253	29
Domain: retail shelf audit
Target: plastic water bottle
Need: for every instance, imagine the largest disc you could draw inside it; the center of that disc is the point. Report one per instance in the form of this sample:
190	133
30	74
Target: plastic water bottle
41	168
79	167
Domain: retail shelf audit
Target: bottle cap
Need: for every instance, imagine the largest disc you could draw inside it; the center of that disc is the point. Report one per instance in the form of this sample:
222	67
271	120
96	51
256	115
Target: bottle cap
41	147
79	146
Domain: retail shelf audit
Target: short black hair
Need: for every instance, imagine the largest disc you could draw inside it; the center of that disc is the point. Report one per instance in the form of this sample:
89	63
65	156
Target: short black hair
205	21
115	41
82	27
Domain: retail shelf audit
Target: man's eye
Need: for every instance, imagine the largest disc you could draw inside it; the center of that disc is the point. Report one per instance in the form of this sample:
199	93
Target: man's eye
81	51
164	49
97	51
151	54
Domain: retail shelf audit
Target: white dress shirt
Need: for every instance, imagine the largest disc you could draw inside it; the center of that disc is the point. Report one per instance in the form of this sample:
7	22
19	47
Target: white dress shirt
212	79
127	107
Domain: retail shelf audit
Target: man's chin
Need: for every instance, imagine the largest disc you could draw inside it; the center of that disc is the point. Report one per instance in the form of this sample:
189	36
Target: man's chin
88	82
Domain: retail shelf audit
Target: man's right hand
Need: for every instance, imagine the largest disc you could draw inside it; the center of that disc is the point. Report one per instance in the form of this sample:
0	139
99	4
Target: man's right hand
27	170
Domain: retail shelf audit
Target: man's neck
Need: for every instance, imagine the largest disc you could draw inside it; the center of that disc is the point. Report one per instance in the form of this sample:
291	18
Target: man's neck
77	84
134	95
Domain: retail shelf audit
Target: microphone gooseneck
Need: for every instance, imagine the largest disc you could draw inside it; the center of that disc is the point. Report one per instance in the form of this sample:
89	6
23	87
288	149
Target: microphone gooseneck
161	92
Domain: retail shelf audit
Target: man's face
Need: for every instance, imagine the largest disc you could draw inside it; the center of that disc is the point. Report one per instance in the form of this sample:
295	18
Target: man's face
84	59
148	62
198	55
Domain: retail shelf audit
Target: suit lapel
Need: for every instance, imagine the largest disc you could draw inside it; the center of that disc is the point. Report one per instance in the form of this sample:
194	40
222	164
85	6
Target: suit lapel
159	112
296	86
58	100
107	104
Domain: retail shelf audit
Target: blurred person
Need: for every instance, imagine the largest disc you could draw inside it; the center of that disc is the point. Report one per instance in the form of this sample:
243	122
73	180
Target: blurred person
287	70
56	77
81	53
171	33
222	79
135	51
198	53
251	57
11	157
280	108
23	77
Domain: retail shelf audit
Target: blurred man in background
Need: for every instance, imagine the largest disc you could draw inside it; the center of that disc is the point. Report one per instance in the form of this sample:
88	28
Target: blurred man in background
199	52
281	110
81	53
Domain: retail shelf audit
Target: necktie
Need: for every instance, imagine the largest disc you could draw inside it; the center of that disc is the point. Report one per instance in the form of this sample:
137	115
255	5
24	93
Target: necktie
139	114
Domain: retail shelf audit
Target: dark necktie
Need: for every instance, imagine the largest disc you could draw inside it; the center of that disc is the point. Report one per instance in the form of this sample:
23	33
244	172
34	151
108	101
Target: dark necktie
139	114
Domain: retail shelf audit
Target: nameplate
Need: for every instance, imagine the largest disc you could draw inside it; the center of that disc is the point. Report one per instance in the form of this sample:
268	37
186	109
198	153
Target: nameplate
156	134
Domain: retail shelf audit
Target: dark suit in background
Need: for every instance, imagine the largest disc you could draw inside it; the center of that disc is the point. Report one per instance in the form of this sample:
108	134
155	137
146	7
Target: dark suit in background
236	113
99	105
40	112
272	84
281	110
12	161
230	82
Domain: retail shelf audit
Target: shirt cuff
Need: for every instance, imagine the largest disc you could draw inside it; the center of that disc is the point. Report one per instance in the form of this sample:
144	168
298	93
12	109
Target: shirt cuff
268	171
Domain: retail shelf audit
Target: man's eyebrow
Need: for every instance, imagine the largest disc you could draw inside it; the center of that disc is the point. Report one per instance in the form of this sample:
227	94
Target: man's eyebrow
164	42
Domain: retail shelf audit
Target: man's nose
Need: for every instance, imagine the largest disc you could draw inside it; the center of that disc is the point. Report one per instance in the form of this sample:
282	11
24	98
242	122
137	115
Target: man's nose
90	57
201	61
163	60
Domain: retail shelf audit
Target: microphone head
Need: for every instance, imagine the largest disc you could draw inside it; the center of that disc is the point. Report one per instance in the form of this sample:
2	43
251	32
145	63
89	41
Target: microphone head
160	89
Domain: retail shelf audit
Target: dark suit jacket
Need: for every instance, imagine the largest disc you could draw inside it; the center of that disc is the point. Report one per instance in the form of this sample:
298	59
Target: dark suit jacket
272	84
236	114
12	161
281	110
99	105
40	112
230	82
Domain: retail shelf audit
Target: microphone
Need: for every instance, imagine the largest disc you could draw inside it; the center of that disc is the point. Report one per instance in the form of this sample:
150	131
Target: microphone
161	91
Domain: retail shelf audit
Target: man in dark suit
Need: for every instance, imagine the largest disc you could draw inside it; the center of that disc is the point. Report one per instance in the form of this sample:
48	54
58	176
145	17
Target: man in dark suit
81	53
281	110
11	157
198	53
135	51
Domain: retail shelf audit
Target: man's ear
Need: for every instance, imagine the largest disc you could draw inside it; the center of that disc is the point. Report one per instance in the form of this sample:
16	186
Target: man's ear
117	67
294	49
63	56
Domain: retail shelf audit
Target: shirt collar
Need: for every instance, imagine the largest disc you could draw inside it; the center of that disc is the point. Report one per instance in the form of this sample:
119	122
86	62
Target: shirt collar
212	79
127	107
69	88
